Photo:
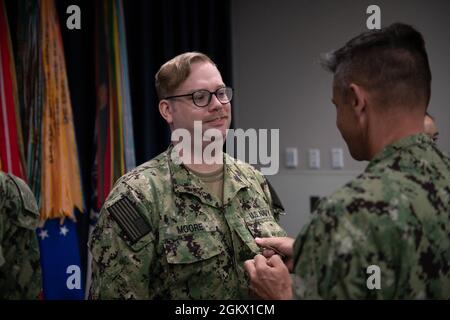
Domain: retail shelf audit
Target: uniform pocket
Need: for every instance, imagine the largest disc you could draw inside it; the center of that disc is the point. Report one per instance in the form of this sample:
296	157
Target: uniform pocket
197	266
149	238
247	238
262	225
191	248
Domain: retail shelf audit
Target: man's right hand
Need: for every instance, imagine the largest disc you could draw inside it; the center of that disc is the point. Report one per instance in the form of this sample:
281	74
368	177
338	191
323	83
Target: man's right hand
284	245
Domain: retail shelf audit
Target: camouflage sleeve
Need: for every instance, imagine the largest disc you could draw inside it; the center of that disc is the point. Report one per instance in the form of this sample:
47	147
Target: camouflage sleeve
277	206
20	275
331	257
122	248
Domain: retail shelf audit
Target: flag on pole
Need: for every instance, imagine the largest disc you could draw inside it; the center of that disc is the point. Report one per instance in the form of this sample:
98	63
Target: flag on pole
61	181
52	152
31	88
114	140
11	143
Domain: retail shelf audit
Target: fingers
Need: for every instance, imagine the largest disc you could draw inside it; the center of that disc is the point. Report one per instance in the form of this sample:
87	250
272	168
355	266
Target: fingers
260	262
275	261
255	266
249	267
255	269
280	245
269	242
269	278
268	253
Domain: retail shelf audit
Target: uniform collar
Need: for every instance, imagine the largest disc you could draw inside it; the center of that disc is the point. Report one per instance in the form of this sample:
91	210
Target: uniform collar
184	181
401	144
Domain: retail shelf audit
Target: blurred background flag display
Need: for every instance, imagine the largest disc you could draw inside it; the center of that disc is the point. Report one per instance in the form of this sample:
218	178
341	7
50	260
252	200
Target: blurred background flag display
52	158
11	147
37	129
114	140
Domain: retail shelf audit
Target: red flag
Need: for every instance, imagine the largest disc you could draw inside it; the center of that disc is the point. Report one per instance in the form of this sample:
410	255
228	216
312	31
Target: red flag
11	151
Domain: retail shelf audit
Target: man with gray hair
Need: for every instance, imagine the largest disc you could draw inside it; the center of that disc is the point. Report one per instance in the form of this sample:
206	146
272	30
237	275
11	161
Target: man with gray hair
385	234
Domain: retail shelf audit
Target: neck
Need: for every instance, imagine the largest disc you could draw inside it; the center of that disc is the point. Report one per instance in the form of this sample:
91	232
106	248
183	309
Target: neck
204	168
384	131
206	158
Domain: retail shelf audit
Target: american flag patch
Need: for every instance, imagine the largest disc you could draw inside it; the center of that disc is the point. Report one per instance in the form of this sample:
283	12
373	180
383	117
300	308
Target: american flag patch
129	219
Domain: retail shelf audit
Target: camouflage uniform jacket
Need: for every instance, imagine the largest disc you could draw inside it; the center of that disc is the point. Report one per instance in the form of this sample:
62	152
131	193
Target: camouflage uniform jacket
162	235
395	215
20	270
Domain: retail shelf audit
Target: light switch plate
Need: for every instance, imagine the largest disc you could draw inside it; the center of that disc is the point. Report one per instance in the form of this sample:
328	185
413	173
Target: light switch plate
291	158
314	158
337	158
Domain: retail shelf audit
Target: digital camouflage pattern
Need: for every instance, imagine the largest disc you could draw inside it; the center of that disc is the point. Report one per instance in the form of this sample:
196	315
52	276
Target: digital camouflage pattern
162	235
20	270
395	215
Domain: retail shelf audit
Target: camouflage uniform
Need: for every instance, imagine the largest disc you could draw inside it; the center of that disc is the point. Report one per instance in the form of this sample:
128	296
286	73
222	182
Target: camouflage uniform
395	215
162	235
20	270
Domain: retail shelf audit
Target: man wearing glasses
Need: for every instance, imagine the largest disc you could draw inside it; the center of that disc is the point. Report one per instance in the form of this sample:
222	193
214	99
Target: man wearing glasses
172	230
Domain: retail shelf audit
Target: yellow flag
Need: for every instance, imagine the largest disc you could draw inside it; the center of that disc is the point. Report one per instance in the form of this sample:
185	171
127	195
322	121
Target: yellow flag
60	183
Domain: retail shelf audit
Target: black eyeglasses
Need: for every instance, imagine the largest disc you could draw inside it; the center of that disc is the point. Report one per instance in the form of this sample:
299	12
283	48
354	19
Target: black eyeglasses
202	98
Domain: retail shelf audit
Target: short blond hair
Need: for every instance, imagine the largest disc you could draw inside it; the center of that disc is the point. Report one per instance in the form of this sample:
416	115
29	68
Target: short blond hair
172	73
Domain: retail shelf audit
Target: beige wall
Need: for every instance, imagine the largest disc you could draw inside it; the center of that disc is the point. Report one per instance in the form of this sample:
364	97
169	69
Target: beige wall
279	84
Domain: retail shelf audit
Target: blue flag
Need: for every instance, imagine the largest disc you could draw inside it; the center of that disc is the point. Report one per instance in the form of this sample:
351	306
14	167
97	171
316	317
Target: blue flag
60	261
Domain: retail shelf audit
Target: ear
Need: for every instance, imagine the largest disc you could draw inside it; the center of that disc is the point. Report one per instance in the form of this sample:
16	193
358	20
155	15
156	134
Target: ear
166	111
358	100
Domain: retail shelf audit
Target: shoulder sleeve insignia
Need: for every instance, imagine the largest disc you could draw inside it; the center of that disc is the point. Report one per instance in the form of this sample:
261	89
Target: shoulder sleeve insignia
129	219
